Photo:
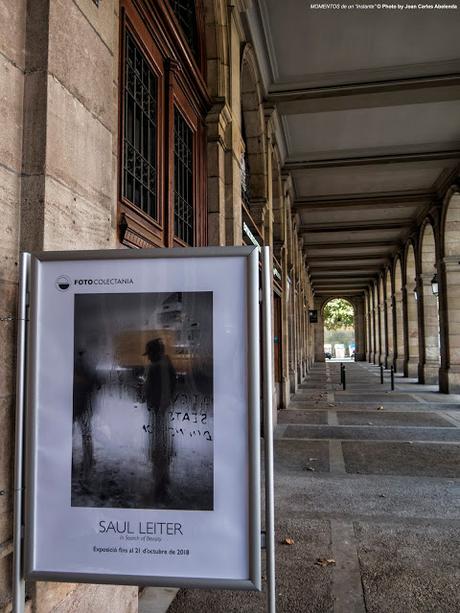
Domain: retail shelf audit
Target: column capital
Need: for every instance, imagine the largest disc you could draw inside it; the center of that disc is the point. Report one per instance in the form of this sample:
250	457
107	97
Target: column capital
451	263
218	118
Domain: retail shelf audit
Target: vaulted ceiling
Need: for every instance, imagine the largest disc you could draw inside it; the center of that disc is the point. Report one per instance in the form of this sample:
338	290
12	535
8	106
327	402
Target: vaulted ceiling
370	111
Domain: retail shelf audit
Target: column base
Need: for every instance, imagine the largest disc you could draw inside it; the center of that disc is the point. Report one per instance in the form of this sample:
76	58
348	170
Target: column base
389	362
399	365
285	393
292	382
428	373
449	380
411	368
382	359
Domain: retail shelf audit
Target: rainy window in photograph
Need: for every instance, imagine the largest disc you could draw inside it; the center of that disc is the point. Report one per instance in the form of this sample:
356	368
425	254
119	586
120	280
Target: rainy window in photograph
140	130
183	179
143	401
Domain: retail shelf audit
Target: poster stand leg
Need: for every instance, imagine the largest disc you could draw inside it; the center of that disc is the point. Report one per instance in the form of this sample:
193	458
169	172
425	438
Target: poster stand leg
18	562
268	428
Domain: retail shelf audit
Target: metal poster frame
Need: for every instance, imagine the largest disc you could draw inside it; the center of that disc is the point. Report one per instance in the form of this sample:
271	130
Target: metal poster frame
268	389
26	414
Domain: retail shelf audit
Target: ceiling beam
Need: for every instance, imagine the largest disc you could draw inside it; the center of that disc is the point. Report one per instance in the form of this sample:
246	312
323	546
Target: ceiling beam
356	227
340	292
356	202
341	286
353	278
320	273
407	158
318	259
344	271
360	288
349	245
393	92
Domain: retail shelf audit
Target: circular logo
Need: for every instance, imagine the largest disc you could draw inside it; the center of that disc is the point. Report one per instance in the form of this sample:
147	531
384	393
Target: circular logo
63	283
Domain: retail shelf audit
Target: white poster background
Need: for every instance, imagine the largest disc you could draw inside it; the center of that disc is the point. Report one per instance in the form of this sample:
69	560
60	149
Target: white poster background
65	537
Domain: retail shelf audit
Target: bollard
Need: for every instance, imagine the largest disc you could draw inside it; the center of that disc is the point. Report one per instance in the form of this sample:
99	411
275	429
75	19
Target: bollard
341	372
392	375
381	373
344	379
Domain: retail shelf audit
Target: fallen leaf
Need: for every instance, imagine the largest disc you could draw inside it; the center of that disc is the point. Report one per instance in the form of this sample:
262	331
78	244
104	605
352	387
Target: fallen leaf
380	408
382	496
312	459
288	541
325	562
310	468
329	404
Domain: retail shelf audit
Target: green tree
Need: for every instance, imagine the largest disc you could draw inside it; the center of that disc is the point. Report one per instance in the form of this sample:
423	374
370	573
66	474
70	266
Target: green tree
338	313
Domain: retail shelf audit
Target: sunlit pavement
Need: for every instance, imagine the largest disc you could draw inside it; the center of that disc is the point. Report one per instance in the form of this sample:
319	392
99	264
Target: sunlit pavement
367	488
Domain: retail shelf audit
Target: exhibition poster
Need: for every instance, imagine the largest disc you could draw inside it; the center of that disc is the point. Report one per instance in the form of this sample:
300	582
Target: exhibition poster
142	440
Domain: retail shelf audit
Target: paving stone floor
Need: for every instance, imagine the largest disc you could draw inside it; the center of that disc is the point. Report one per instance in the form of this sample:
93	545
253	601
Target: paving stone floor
371	479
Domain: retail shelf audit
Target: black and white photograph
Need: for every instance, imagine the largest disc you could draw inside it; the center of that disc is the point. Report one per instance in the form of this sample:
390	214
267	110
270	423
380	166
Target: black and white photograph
143	401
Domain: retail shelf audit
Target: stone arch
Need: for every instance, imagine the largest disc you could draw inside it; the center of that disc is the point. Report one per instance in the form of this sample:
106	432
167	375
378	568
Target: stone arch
450	226
254	134
373	319
328	299
389	318
412	342
428	307
358	319
382	322
399	315
449	292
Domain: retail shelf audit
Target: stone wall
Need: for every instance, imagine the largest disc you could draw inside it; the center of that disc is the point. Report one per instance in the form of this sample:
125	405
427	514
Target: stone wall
12	65
58	148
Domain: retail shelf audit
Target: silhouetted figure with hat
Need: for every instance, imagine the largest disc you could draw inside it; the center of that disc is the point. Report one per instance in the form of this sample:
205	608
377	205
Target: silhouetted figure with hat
85	383
159	387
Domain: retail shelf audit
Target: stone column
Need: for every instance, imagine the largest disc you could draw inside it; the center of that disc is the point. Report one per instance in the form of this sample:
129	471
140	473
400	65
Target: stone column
412	343
285	338
368	330
373	335
429	356
449	288
389	328
304	334
399	351
360	331
382	318
217	121
319	333
233	209
376	327
292	336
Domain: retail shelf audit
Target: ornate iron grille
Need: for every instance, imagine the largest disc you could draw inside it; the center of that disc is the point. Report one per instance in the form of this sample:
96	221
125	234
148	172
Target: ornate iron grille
140	130
186	16
183	179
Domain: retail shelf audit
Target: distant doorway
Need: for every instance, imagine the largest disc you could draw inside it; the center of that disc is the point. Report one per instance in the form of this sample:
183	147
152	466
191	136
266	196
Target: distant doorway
339	330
